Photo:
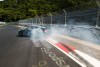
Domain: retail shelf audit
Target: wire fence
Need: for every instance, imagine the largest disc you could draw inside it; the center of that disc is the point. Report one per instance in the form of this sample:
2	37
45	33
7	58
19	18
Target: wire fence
88	17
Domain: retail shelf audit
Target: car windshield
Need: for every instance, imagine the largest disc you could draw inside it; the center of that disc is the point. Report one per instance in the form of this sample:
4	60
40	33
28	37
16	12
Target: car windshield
49	33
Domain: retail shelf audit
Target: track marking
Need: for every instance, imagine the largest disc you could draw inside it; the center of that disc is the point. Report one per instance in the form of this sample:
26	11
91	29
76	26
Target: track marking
91	60
58	60
96	46
53	42
62	47
41	64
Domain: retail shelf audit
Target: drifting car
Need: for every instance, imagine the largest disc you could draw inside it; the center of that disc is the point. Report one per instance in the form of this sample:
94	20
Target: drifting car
24	32
27	32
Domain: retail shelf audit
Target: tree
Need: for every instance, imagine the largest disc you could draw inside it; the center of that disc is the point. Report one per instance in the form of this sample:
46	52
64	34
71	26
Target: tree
14	10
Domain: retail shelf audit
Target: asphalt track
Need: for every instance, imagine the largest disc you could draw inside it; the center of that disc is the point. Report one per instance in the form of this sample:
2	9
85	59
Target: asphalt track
24	52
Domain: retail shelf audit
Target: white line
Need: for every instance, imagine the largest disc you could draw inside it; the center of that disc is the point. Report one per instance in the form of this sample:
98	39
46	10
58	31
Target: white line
90	59
51	42
96	46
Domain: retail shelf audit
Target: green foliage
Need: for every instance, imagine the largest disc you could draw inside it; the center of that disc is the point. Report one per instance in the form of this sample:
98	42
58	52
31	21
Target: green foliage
14	10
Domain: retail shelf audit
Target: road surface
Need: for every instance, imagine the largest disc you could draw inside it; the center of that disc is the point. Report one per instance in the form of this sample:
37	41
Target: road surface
54	51
24	52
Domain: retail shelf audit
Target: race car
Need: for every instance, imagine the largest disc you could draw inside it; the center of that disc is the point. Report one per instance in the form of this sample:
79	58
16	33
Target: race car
24	32
29	31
